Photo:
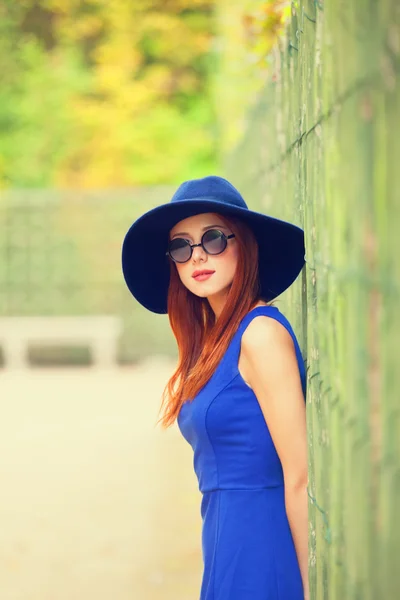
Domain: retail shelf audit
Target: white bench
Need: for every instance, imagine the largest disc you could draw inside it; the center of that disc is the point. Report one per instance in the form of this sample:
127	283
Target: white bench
99	332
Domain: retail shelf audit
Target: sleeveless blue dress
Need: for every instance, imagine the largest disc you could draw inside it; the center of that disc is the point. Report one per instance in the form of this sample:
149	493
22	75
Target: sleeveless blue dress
247	546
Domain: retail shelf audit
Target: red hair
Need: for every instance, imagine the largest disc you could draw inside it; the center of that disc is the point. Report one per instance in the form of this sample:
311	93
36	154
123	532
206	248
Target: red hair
202	340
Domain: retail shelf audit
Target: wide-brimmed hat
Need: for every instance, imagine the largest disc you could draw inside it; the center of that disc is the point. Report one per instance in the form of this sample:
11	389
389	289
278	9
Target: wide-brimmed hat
146	267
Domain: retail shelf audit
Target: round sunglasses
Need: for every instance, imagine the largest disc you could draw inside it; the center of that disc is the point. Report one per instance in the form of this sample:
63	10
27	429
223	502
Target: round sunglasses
213	242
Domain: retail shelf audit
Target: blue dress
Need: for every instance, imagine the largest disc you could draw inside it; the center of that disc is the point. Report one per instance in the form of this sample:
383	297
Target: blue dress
247	546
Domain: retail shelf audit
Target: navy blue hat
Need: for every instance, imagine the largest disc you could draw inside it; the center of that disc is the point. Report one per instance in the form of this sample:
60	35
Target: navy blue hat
146	267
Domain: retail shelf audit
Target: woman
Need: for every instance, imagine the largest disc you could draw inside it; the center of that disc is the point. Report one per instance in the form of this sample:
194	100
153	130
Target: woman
238	394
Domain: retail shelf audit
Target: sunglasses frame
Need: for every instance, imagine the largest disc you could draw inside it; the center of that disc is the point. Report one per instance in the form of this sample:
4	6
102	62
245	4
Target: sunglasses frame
224	236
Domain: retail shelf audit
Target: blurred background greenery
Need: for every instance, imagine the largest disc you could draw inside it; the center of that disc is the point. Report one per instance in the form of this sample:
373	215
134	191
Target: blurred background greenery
95	95
137	93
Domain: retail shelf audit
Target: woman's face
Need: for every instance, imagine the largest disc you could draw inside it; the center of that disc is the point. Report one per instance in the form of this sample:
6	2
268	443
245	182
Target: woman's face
215	287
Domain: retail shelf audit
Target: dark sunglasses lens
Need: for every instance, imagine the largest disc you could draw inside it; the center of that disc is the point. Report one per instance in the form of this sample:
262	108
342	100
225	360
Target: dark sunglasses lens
179	250
214	241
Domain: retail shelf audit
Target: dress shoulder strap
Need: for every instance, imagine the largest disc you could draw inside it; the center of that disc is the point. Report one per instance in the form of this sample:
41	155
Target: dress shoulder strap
274	313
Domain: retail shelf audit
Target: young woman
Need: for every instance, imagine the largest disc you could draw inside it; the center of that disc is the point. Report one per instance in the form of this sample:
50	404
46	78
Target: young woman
238	394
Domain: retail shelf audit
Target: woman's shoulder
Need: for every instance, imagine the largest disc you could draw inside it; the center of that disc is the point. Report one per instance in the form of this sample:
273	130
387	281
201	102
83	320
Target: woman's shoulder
272	341
275	329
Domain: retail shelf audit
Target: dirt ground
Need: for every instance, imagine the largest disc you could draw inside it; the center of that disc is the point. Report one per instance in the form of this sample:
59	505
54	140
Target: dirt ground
96	501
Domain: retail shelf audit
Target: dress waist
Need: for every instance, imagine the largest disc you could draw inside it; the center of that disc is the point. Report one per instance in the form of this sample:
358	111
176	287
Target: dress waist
242	489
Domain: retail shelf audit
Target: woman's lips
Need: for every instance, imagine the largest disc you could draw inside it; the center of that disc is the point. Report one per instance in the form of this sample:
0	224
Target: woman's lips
203	277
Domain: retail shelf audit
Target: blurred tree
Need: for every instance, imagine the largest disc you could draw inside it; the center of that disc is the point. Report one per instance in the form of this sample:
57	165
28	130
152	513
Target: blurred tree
98	95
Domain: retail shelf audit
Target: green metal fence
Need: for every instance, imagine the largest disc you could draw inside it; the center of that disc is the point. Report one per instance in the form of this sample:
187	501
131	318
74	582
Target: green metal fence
323	150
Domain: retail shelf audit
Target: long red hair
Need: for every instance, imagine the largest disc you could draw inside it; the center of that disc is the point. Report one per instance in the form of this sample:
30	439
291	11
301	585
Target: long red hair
202	340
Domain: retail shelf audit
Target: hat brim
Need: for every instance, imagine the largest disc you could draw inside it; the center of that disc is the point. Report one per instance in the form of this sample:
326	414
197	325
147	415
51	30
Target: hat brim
146	267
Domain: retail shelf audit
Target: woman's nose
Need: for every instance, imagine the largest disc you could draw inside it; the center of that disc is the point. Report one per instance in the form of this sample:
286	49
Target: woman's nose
198	252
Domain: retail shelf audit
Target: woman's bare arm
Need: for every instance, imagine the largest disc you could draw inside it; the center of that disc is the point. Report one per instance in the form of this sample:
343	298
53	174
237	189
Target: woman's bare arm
272	371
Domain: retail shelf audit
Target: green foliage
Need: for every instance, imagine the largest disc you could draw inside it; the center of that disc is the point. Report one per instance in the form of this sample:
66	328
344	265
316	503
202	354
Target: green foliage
263	25
98	96
34	116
